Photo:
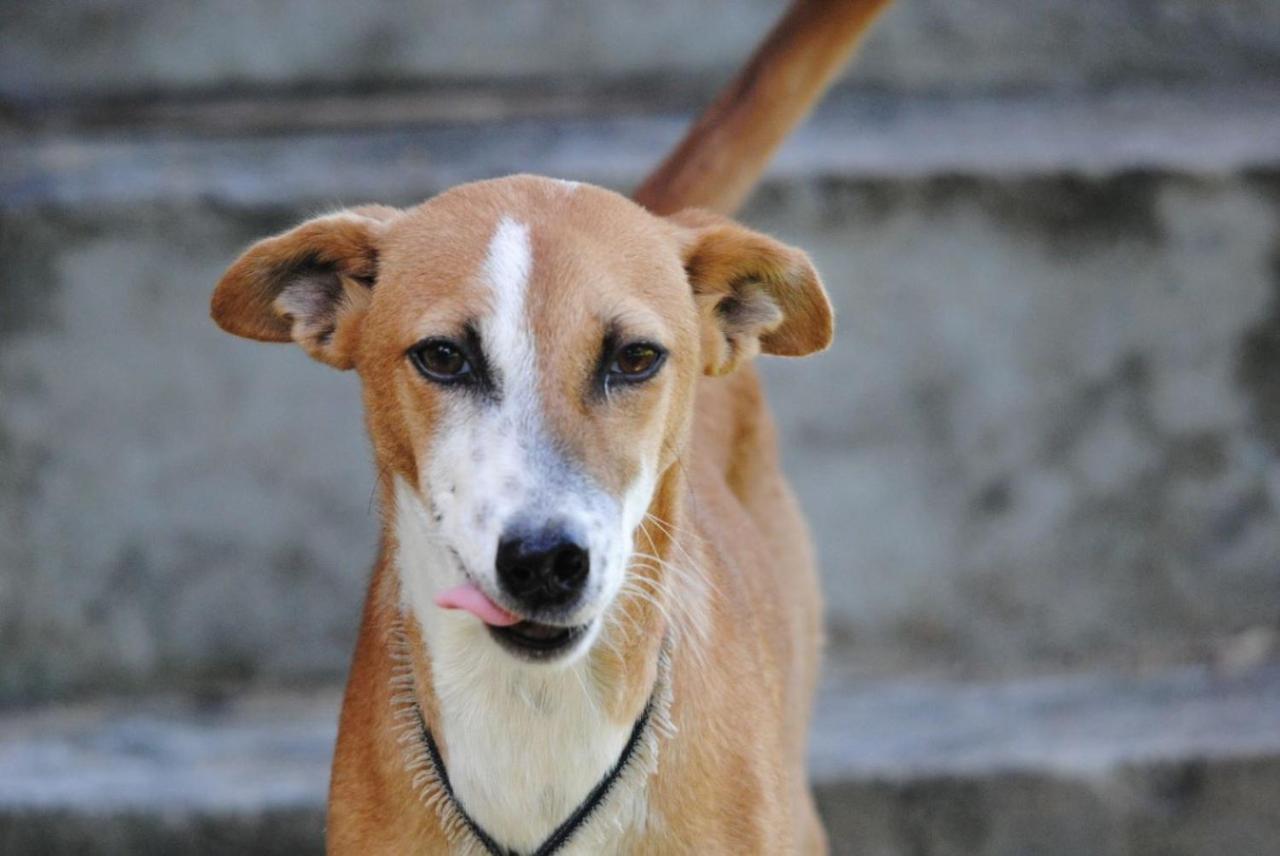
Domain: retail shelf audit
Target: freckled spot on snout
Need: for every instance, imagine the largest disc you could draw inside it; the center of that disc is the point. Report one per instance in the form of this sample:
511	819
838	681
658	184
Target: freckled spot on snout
483	515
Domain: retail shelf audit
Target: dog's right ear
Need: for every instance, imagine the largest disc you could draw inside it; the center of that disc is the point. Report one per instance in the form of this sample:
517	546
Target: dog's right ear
310	285
754	294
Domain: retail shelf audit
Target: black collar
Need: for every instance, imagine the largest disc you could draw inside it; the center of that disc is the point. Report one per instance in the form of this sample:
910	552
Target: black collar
560	837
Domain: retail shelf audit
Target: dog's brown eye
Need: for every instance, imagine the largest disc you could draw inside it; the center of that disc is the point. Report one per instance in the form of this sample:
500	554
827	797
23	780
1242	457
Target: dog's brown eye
637	362
441	360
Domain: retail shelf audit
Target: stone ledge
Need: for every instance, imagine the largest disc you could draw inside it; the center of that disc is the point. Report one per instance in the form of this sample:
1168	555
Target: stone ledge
1205	131
66	49
1185	761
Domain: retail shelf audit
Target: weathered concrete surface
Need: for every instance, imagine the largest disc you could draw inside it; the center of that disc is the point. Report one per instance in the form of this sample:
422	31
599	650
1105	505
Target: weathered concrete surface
1197	131
1047	436
1058	447
158	518
76	49
1189	809
1186	762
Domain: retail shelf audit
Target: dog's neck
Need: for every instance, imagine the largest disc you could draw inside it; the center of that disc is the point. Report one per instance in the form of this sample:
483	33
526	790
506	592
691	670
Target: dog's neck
525	743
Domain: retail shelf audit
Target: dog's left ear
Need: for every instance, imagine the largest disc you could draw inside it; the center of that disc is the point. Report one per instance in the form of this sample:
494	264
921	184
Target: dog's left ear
754	294
309	285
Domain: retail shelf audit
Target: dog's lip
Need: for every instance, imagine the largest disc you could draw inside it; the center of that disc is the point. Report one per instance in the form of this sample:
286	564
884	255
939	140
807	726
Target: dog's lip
537	641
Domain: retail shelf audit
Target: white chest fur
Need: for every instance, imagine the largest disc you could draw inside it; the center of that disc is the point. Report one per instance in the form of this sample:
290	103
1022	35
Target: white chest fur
524	751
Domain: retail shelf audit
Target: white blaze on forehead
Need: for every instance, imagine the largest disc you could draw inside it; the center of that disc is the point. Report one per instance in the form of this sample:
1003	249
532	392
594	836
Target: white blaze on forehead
506	270
480	471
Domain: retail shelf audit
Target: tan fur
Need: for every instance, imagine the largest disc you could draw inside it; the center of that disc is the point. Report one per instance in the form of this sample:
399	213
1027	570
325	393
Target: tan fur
734	593
734	780
720	159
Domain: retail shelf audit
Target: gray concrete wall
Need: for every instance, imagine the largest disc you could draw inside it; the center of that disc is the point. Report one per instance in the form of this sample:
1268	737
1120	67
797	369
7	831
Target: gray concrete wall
171	502
1047	436
74	48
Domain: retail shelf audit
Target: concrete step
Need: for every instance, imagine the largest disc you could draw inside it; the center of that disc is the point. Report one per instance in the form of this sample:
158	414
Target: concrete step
1185	761
59	51
1046	438
1194	131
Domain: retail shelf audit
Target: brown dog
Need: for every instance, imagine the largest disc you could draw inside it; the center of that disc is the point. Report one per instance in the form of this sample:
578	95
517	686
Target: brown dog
593	625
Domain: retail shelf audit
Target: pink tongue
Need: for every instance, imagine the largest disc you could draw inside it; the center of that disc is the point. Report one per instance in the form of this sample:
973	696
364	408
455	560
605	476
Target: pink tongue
469	597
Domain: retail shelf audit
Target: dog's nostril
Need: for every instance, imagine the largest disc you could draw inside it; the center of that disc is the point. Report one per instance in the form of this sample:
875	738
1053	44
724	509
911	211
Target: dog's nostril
569	566
543	569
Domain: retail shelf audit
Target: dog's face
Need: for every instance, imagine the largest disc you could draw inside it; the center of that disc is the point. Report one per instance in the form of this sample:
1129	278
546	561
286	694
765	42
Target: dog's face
529	351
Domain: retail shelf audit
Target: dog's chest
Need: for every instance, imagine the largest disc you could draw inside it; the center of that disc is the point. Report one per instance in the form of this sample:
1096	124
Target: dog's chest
525	751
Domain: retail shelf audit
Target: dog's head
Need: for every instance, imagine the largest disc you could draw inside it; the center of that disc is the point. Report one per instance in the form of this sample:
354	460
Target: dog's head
529	350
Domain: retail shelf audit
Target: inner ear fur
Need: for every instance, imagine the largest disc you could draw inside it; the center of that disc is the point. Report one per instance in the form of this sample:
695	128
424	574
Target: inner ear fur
309	285
754	294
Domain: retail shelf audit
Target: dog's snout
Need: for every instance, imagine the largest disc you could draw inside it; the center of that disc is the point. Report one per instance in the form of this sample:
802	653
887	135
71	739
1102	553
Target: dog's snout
543	569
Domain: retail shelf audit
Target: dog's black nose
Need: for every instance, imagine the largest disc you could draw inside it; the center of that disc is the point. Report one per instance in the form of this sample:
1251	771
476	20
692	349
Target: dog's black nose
544	569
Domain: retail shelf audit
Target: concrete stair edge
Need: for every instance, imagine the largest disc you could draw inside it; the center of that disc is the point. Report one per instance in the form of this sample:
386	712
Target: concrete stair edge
245	768
86	50
1195	131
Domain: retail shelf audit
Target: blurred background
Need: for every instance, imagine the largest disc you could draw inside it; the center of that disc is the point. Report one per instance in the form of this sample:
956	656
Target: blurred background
1042	461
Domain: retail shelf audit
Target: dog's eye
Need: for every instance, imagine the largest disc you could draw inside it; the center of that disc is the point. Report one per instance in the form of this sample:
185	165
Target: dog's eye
637	362
441	360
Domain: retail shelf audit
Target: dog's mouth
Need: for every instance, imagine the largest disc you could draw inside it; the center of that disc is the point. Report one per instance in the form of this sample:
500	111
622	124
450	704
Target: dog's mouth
536	641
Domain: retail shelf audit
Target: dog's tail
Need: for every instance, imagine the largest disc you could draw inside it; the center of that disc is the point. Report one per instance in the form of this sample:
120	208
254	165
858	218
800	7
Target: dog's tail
719	161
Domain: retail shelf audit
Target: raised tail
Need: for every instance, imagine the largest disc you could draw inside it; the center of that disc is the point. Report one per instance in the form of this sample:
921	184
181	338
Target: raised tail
719	161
